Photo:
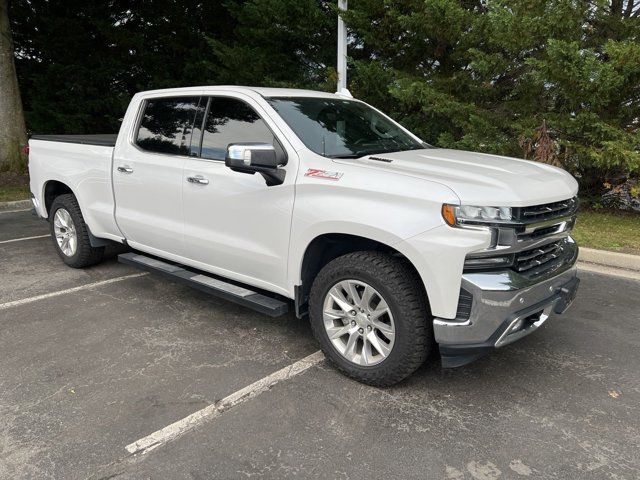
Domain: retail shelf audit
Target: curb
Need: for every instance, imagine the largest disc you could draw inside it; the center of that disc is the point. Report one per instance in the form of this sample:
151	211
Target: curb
18	205
609	271
610	259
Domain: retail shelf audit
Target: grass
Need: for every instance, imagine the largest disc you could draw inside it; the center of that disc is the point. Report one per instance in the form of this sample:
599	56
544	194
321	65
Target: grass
608	230
14	192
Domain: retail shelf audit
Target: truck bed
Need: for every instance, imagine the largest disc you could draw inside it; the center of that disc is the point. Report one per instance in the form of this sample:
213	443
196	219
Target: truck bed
104	140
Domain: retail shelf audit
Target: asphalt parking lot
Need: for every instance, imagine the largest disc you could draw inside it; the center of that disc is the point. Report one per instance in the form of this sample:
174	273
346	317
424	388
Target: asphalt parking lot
93	360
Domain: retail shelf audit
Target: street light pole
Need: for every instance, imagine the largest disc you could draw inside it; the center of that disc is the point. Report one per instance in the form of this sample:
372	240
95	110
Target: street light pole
342	51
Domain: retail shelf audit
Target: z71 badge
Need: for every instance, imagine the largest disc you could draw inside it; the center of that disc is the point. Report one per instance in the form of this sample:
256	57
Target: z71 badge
314	172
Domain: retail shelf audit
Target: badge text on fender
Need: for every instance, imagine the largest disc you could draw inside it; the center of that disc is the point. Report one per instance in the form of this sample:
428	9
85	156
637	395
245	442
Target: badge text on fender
326	175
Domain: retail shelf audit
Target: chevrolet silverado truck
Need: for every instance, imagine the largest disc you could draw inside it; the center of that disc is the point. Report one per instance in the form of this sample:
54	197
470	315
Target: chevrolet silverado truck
281	198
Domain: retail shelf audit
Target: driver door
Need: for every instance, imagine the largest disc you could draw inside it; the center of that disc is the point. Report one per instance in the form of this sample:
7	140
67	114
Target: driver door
234	224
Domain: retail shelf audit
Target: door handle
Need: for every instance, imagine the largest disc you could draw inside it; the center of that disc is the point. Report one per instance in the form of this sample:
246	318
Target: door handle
198	179
125	169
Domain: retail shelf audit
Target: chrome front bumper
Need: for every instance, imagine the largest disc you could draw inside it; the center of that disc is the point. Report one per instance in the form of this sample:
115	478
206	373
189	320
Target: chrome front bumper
506	307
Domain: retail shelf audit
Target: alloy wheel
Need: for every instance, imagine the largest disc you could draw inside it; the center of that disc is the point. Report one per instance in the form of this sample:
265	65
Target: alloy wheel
65	232
358	322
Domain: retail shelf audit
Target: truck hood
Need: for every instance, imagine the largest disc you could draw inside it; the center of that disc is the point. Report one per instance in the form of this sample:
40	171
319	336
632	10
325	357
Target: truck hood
482	179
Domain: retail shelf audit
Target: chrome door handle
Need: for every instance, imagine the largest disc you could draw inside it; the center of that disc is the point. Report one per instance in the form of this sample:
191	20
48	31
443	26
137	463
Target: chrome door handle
199	179
125	169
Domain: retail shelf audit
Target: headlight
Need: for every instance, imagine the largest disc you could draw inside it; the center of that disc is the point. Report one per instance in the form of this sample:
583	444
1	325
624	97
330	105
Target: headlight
460	215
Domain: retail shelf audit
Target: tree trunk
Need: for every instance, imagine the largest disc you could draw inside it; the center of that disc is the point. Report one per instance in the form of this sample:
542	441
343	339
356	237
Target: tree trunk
12	127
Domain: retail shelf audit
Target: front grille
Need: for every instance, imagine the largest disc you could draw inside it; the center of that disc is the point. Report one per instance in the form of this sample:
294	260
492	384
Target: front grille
539	260
548	211
512	244
541	232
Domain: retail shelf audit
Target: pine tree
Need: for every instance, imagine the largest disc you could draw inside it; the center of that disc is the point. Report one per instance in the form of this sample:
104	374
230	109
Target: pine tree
80	62
488	75
286	43
556	80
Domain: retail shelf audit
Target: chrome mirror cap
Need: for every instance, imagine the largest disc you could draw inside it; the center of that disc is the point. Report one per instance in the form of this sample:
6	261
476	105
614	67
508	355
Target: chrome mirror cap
244	152
256	157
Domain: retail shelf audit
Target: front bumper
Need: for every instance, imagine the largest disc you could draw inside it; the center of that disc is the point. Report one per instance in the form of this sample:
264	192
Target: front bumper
505	308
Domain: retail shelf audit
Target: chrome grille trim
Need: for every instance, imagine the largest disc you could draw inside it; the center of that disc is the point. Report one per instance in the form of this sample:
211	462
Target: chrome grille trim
538	241
536	253
547	211
541	260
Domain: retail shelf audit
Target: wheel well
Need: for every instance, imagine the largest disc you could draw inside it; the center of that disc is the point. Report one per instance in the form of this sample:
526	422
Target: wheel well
54	189
327	247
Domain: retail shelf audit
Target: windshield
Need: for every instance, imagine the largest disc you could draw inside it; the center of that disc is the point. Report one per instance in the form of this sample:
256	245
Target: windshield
339	128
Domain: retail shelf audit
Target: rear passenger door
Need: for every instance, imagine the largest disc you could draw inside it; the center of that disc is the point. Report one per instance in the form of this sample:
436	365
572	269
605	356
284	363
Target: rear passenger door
236	225
147	174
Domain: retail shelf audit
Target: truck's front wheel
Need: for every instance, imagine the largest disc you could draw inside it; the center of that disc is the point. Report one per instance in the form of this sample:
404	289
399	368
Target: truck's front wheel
70	233
369	313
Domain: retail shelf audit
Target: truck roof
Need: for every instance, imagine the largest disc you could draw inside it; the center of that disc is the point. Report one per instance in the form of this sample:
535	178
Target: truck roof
263	91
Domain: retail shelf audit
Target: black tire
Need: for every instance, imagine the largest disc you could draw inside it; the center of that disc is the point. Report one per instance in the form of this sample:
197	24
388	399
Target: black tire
85	255
401	288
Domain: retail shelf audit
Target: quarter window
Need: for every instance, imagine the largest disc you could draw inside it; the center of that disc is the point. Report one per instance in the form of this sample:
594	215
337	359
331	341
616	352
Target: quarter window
231	121
167	124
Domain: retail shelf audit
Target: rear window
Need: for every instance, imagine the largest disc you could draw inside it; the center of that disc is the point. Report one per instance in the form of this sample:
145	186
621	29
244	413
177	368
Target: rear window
167	125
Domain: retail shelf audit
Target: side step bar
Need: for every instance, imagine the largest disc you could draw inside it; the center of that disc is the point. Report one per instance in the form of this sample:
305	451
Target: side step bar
208	284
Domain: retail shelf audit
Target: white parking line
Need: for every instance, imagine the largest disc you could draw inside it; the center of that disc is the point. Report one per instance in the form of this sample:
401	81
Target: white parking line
15	211
15	303
24	238
176	429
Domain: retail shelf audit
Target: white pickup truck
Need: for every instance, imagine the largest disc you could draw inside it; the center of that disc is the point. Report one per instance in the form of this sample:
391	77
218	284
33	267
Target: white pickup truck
275	197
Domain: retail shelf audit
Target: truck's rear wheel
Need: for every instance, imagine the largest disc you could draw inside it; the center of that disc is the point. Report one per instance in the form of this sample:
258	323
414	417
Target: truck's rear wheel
70	233
369	313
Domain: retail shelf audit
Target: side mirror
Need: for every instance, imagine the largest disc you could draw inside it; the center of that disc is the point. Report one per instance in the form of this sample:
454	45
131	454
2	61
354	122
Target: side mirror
256	157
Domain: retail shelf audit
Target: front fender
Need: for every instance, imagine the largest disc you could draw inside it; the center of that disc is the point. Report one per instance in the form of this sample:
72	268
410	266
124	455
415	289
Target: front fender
438	255
301	243
363	201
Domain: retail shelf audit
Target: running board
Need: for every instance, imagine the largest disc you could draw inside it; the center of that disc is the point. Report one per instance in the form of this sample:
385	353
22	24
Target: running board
208	284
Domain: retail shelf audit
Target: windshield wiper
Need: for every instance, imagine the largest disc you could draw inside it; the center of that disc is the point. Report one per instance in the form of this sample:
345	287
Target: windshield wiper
360	154
348	155
382	151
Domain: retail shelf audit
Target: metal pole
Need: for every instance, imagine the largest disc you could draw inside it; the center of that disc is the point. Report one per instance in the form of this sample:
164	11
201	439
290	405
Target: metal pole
342	51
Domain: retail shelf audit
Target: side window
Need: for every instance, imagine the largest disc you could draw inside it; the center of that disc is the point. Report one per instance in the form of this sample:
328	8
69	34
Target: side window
231	121
167	124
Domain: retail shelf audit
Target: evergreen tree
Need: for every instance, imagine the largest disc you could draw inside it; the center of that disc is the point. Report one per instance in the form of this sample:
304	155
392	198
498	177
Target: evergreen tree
285	43
80	62
553	80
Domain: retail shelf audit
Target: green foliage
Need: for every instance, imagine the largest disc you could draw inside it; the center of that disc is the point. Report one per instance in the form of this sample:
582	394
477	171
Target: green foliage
487	75
80	62
555	80
277	43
